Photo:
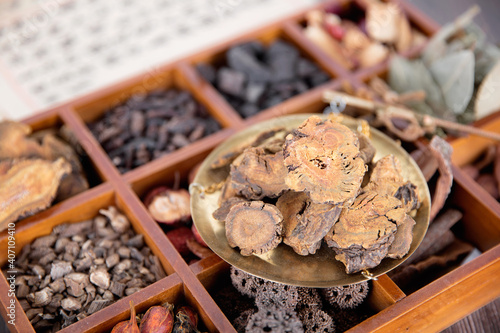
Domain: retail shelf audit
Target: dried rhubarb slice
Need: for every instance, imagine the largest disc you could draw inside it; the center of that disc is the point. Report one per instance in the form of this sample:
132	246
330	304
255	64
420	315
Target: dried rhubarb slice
323	160
365	231
28	186
255	227
257	174
304	222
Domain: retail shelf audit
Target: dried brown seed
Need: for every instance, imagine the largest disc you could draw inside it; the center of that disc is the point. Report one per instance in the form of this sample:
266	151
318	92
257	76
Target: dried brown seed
70	304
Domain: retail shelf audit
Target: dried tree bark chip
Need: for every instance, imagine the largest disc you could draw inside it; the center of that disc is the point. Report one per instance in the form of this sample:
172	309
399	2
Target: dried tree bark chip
28	186
304	222
258	175
255	227
365	231
323	160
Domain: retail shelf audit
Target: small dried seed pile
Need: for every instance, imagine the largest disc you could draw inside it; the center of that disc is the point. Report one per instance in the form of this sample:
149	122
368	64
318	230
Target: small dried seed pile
305	186
81	268
146	127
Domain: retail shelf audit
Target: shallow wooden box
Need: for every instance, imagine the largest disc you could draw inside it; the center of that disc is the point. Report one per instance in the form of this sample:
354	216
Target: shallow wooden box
431	308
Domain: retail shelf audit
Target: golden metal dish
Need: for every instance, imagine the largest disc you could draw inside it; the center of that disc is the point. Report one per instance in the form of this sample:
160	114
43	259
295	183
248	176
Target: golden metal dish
282	264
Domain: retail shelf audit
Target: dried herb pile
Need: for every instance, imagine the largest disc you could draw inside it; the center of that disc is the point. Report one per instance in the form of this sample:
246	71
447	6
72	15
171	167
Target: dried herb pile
148	126
81	268
457	71
259	305
355	40
303	187
37	169
256	77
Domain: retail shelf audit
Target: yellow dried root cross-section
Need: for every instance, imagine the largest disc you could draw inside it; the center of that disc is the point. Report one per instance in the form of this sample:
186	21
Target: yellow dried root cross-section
255	227
323	160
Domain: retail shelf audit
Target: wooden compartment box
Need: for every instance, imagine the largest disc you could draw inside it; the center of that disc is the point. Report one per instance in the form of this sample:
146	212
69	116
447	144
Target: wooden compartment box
431	308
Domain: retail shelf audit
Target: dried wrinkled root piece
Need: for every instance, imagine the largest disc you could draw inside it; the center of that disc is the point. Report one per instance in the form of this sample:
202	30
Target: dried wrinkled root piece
304	222
366	149
402	239
14	141
258	175
254	227
272	294
28	186
229	157
274	320
221	212
347	297
441	150
362	236
387	179
323	160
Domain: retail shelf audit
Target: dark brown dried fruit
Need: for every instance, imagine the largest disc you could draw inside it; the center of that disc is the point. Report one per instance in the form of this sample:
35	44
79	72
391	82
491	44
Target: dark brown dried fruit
128	326
179	237
323	160
365	231
257	174
158	319
189	312
254	227
28	186
170	206
304	222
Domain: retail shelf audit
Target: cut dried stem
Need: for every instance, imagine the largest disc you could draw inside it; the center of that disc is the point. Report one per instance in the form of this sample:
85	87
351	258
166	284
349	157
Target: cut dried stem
387	112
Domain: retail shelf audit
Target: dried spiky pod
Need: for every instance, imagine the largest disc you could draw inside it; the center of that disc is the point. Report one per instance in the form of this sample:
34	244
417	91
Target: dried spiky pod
274	320
316	321
309	298
245	283
347	297
241	321
272	294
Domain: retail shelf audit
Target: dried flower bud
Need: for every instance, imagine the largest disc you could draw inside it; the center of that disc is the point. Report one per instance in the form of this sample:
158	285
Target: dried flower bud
158	319
127	326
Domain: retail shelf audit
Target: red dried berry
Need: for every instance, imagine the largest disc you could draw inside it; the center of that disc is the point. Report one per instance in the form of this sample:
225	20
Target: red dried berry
178	237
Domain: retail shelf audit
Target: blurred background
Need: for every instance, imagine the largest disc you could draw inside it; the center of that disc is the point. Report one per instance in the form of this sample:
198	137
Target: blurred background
52	51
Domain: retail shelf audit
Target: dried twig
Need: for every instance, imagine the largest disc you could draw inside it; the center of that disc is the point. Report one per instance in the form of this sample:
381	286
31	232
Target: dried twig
418	124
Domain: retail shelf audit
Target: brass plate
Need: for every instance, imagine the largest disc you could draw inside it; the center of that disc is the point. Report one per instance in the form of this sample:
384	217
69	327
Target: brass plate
282	264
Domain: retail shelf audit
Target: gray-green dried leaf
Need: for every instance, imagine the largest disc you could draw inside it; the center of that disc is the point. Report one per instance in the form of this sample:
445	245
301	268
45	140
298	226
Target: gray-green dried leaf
454	74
